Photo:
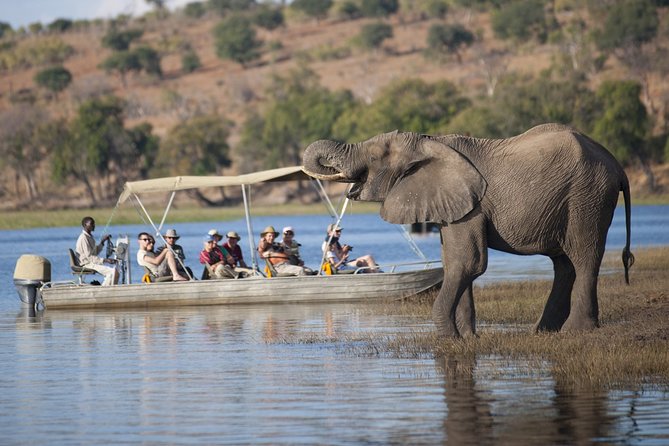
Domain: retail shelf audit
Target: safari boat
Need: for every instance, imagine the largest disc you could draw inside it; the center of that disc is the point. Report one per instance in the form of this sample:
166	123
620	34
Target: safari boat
396	282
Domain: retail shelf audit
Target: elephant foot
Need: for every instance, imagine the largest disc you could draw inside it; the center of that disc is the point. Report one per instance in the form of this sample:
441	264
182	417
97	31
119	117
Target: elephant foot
547	325
448	331
574	324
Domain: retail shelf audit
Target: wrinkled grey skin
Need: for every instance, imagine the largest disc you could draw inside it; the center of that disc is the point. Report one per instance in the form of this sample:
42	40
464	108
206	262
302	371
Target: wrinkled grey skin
549	191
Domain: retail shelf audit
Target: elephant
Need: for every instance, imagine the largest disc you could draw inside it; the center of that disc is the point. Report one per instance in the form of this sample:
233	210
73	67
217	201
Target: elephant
550	191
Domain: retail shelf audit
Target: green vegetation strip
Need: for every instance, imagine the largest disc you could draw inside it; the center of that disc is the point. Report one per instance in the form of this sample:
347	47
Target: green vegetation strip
128	214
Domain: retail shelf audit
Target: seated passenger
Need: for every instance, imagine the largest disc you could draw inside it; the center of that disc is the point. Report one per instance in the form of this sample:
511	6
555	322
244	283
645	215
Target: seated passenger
292	248
232	246
338	255
220	261
275	254
160	265
87	252
171	238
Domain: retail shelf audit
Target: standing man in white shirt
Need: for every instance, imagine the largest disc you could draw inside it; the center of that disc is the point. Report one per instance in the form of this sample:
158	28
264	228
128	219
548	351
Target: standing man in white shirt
87	252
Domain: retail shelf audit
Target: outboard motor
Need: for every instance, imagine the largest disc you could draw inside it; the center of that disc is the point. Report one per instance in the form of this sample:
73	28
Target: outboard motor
30	273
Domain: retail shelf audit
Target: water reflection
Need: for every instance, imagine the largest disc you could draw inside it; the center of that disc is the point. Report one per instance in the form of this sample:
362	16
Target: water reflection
284	374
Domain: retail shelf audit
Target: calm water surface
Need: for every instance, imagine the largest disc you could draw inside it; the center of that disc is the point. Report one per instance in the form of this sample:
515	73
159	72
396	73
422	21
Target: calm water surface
271	374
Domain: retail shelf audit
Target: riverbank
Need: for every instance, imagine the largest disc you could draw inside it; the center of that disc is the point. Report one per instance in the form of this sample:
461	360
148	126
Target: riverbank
629	350
128	214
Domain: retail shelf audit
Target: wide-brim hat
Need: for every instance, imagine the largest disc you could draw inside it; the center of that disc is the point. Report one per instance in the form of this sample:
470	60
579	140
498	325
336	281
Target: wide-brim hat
288	229
214	233
208	238
233	234
171	233
333	227
267	230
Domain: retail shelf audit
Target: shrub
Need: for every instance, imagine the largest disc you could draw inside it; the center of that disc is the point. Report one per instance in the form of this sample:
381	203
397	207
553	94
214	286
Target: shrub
317	9
55	79
629	22
120	40
268	17
60	25
378	8
195	10
235	39
372	35
445	39
521	20
190	61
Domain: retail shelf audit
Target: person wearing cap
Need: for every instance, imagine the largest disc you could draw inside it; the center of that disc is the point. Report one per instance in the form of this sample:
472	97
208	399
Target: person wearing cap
232	246
291	247
171	238
338	255
274	253
220	261
160	265
217	237
87	251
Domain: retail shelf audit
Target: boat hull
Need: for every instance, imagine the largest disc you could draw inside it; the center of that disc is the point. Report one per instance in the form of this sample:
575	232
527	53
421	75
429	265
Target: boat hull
254	290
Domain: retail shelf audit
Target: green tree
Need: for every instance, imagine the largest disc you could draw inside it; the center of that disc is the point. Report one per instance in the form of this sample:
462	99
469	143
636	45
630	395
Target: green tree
60	25
317	9
622	126
122	62
628	23
372	35
195	10
521	20
146	148
235	39
5	28
268	17
96	139
54	79
198	146
23	145
149	60
378	8
223	7
299	111
120	40
190	61
448	39
406	105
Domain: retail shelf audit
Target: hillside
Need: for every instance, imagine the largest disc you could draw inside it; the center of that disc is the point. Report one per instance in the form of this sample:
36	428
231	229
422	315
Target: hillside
233	90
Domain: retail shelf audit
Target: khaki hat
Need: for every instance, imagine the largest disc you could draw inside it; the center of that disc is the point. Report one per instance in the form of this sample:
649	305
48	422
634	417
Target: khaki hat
214	233
267	230
233	234
333	227
288	229
171	233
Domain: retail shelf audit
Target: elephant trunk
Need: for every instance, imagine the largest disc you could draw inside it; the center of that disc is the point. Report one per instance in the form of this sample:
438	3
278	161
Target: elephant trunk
322	160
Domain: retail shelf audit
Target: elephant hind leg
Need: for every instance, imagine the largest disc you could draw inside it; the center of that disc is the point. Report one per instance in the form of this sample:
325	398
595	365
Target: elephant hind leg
465	314
558	304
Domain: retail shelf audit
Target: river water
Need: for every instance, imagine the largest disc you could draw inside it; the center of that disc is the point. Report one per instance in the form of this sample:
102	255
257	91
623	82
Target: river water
237	375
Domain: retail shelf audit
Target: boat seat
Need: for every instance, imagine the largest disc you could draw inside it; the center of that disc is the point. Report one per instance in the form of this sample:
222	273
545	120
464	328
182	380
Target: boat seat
270	271
77	269
149	277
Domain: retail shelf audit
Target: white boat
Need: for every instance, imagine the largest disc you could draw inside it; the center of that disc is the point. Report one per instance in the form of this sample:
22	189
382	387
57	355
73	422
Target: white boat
396	282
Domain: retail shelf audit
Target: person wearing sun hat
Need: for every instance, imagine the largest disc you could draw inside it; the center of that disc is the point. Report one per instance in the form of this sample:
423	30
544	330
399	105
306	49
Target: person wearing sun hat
217	237
232	246
274	253
220	261
338	255
171	238
291	247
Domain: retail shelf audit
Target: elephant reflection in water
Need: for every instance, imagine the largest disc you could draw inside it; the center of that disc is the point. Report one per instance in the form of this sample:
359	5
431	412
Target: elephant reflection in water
476	414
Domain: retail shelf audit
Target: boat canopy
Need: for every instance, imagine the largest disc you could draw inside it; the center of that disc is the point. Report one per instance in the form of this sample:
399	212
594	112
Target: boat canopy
171	184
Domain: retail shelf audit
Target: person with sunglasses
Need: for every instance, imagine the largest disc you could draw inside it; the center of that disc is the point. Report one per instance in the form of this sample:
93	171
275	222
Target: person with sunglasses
160	265
338	255
171	238
220	264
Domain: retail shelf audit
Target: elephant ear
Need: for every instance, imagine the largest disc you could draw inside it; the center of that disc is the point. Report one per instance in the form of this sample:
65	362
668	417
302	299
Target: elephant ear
442	188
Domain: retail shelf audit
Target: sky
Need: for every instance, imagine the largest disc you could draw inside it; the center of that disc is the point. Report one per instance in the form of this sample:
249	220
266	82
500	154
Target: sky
24	12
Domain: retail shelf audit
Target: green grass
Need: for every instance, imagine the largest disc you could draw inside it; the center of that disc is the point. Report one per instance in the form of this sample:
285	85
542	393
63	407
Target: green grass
128	215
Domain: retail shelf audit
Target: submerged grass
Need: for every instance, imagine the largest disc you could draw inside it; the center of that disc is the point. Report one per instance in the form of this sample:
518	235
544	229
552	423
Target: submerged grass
630	350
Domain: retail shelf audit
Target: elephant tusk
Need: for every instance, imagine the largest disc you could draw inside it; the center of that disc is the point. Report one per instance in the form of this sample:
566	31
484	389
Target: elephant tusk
336	177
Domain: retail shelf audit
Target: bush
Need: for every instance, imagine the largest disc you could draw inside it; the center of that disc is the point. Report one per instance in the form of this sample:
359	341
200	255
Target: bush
317	9
235	39
372	35
445	39
378	8
195	10
223	7
120	40
348	10
190	61
60	25
521	20
41	51
149	60
629	22
55	79
268	17
5	28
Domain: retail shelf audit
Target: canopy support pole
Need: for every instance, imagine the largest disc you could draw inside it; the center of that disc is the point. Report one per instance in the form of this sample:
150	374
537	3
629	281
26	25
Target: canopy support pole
249	229
339	217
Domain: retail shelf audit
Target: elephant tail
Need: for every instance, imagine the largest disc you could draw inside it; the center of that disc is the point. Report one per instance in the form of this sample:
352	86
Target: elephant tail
628	257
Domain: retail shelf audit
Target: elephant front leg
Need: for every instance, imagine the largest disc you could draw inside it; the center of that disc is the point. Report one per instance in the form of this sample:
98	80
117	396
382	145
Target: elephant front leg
557	306
465	314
